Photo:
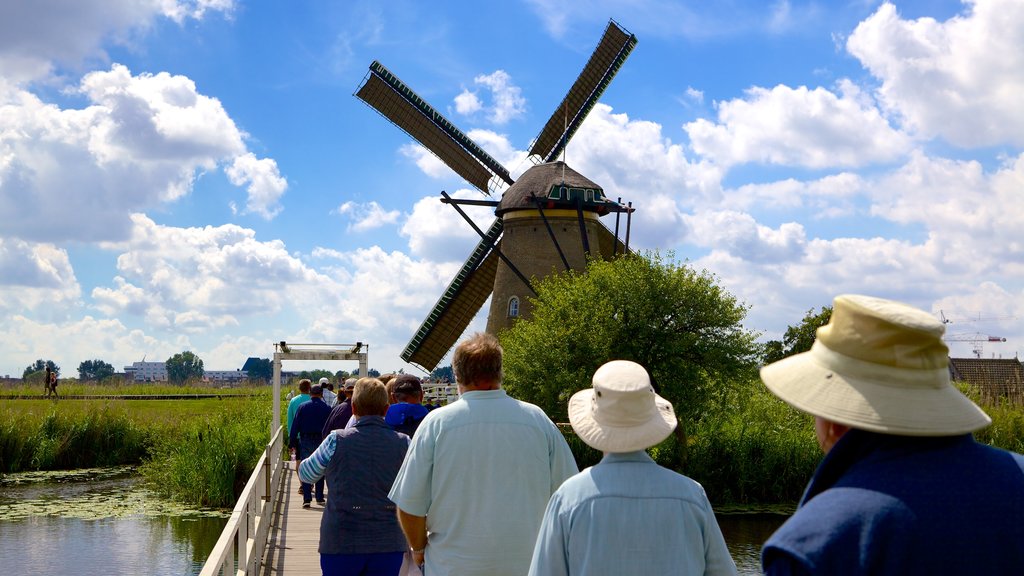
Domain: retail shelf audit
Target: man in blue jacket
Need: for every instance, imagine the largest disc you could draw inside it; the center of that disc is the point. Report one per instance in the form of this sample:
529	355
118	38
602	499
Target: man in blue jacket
306	434
904	488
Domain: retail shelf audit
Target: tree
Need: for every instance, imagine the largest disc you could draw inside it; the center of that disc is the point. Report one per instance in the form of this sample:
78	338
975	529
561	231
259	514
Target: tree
183	367
342	375
94	370
373	373
443	374
675	321
797	338
261	369
39	367
315	375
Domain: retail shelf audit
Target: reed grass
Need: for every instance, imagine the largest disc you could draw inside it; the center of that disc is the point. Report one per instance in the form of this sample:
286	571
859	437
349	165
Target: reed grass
55	440
208	460
752	450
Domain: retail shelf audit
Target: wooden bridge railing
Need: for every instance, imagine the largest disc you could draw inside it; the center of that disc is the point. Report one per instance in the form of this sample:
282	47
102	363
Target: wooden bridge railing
240	547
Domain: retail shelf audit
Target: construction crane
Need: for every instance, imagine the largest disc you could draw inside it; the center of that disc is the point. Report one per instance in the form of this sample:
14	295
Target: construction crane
976	339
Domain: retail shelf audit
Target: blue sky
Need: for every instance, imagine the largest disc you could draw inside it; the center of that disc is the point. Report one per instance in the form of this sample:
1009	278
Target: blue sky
196	174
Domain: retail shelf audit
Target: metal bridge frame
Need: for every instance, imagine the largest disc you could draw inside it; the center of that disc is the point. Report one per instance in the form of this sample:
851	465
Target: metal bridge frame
284	351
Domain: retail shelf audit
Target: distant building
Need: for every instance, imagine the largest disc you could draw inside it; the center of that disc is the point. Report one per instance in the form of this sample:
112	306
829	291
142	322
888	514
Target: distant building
225	376
146	372
994	377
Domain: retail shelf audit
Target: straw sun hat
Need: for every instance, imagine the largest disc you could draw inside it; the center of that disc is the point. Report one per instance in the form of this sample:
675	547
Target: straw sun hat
877	365
621	413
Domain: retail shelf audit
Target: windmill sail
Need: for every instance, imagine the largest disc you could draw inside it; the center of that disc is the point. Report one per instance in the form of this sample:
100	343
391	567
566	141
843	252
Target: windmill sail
383	91
460	302
604	63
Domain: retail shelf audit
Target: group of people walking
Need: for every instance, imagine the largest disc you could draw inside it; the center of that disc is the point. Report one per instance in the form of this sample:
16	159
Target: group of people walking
488	486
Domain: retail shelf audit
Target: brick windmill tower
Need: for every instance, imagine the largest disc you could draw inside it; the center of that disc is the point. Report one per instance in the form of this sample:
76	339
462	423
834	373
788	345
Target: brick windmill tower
546	221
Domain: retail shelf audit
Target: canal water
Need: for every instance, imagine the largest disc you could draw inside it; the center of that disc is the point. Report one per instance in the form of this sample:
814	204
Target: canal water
99	521
105	521
745	533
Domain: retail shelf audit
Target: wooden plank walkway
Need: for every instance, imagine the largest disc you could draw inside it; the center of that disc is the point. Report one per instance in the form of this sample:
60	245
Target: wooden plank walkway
294	533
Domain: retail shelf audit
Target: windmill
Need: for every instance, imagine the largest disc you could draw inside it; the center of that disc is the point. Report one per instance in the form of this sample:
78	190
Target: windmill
547	220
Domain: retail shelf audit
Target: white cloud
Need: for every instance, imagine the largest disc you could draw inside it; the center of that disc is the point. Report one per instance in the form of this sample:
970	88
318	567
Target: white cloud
141	142
798	127
266	186
36	277
425	160
198	278
742	237
367	216
437	233
508	101
81	339
961	79
830	196
467	103
35	35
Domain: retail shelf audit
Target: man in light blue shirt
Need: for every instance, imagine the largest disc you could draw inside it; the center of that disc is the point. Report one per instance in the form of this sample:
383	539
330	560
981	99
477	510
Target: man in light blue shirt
627	515
479	473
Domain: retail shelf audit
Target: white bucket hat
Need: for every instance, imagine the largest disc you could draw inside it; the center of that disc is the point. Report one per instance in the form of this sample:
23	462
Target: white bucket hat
621	413
877	365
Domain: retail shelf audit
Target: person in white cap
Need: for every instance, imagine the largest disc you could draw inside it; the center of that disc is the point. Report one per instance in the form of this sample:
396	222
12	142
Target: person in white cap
627	515
903	487
330	398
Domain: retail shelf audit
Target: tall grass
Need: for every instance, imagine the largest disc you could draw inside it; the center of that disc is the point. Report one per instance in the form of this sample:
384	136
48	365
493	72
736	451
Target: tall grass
58	441
757	450
197	451
1007	429
207	461
752	450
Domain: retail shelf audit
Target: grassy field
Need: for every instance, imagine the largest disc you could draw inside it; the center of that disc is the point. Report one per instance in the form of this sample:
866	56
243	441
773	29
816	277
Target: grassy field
752	451
199	451
73	387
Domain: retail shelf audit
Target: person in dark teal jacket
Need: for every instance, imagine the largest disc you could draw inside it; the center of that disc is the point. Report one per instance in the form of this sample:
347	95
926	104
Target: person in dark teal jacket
904	488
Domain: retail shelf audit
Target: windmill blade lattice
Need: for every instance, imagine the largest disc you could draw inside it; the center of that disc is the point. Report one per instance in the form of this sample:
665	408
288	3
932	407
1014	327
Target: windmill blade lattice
611	52
459	303
383	91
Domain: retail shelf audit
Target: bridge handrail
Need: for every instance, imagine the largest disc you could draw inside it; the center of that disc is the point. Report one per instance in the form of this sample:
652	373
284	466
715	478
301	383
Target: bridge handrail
245	536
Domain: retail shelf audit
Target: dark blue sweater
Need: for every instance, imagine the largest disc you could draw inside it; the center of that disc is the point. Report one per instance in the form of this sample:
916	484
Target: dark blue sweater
881	504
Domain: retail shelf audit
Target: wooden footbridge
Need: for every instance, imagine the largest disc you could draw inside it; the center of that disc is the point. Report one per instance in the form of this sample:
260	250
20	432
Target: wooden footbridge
269	532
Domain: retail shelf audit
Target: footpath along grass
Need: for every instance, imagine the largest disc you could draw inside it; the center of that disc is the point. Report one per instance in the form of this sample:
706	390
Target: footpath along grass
72	387
197	451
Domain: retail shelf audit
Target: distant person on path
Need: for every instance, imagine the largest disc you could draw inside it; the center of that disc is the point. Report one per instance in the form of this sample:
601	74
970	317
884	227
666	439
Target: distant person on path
306	436
46	381
903	488
342	411
359	532
52	387
479	473
408	411
330	398
627	515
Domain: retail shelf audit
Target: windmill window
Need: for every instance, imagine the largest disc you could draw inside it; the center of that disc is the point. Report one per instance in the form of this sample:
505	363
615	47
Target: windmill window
513	307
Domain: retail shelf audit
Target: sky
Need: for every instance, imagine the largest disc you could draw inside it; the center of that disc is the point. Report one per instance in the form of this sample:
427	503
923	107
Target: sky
197	174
